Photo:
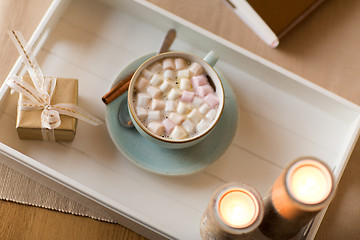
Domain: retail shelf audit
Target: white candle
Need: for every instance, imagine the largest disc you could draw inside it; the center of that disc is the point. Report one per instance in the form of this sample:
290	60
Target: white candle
309	182
238	208
235	211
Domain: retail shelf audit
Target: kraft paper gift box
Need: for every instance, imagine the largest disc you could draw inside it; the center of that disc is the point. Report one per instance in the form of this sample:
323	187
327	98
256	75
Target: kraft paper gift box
28	123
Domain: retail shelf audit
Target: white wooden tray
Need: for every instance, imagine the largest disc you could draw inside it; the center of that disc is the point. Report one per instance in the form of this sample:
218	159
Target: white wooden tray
281	117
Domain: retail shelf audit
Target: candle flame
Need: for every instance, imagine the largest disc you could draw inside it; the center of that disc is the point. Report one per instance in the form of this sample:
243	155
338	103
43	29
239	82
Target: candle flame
238	209
310	183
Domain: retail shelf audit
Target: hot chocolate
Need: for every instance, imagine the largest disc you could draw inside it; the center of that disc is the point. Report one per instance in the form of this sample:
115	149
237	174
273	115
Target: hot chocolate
174	98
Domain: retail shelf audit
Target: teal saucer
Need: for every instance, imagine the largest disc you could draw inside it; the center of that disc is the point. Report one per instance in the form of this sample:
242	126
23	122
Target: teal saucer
172	162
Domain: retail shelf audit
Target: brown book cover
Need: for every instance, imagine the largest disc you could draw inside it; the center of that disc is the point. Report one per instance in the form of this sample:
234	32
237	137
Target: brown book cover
271	20
282	15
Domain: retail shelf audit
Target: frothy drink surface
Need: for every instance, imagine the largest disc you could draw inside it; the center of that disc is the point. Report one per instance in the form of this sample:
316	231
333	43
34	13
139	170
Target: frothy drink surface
174	99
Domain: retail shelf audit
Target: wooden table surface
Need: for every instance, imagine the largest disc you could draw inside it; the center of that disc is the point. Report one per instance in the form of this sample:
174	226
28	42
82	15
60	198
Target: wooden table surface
324	49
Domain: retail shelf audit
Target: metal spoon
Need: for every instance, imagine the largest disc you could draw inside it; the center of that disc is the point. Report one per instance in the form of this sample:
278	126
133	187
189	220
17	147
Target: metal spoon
124	116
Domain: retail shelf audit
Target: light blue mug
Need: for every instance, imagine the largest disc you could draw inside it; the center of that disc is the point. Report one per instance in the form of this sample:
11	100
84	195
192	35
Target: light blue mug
207	63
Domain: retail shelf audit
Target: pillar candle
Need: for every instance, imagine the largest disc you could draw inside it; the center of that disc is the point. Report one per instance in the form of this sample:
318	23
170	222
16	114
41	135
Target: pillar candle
234	212
298	194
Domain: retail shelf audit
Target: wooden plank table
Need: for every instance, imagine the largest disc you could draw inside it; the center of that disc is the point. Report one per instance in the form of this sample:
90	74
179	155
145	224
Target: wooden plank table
323	49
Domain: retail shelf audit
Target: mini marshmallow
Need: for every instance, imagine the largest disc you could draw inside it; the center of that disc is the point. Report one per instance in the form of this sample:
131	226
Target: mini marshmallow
156	79
204	108
154	115
168	63
187	96
165	86
169	125
199	80
185	84
189	126
141	84
156	68
197	102
141	113
142	100
169	74
176	118
147	74
174	94
212	100
154	92
184	73
202	125
178	133
183	108
204	90
179	96
195	115
156	128
170	106
196	68
157	104
211	114
180	63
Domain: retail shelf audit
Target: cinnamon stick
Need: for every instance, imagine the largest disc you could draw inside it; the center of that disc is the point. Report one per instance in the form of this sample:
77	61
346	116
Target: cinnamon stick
117	90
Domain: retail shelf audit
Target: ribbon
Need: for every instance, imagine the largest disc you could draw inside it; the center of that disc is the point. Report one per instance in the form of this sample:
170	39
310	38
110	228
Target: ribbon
39	94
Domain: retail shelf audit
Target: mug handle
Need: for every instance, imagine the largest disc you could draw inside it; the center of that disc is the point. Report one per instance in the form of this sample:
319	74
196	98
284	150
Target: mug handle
211	58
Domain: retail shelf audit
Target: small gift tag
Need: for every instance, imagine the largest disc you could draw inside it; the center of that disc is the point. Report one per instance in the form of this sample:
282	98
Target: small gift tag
47	107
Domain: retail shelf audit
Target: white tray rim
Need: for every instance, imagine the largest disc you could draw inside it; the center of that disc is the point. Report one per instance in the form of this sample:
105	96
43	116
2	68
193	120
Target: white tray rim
50	18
